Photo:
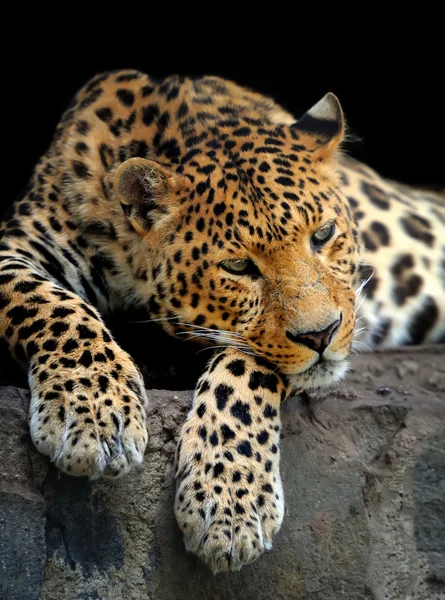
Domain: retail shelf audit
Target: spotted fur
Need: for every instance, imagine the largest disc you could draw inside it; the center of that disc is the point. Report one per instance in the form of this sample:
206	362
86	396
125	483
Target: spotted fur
152	195
403	233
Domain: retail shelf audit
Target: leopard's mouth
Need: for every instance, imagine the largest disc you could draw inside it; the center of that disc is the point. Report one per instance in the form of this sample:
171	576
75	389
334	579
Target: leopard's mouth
322	373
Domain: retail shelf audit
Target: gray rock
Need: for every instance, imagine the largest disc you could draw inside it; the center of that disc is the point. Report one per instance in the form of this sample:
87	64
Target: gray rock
22	507
80	530
429	504
364	477
22	547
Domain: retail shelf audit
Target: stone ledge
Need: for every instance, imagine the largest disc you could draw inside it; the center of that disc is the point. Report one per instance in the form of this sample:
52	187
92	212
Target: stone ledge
364	476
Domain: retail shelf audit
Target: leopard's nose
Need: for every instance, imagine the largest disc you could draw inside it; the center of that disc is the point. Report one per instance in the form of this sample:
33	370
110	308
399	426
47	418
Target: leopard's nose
316	340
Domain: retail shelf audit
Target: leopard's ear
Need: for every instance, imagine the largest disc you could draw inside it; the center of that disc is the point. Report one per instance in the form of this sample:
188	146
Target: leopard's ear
322	128
148	192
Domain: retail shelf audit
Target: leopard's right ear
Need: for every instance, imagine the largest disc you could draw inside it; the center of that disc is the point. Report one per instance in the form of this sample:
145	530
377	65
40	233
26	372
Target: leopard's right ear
148	192
322	128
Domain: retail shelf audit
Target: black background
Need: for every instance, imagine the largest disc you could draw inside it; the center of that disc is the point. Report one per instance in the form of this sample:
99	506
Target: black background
394	102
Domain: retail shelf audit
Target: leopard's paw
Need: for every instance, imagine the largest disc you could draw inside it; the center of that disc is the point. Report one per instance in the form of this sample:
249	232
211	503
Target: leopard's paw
90	420
229	500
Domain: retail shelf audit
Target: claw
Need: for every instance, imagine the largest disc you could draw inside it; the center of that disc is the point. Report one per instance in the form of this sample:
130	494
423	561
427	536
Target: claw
106	448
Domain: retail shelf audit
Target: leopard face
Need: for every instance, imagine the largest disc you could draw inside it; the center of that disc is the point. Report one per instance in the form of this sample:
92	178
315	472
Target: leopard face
255	245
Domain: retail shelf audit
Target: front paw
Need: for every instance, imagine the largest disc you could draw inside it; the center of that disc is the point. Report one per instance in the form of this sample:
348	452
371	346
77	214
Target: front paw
229	500
89	418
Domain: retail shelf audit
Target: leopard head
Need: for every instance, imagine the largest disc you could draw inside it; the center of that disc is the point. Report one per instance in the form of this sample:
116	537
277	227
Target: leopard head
252	242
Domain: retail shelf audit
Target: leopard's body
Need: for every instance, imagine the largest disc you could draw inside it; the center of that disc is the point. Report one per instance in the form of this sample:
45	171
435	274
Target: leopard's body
208	206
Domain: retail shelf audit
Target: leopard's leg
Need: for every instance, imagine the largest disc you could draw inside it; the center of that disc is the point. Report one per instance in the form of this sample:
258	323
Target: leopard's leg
87	410
229	498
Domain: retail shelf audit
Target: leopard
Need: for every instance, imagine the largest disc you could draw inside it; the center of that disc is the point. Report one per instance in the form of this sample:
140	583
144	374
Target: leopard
229	222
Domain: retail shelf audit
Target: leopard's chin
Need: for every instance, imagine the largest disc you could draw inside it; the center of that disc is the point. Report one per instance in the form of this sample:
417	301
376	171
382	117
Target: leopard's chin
320	375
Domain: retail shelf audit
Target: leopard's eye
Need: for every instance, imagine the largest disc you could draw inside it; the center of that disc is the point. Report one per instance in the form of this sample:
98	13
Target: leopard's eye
241	266
324	234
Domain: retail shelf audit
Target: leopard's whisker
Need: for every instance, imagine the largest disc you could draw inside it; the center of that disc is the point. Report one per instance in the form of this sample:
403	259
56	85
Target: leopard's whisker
216	336
154	320
358	306
362	285
209	329
355	342
360	329
228	346
210	332
213	336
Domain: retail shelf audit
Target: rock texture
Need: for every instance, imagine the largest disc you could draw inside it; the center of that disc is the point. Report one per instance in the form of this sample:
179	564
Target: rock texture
364	475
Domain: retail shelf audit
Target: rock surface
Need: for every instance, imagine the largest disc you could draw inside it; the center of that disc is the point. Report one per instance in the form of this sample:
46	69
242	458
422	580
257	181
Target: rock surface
364	475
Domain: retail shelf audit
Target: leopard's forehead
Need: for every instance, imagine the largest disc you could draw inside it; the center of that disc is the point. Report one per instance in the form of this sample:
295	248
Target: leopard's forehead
245	151
261	181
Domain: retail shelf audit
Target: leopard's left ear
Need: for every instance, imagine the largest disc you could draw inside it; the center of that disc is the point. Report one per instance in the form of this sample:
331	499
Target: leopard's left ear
148	192
322	128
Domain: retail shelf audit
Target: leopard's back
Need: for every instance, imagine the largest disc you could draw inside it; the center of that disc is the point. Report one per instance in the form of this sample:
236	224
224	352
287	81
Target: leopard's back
403	255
